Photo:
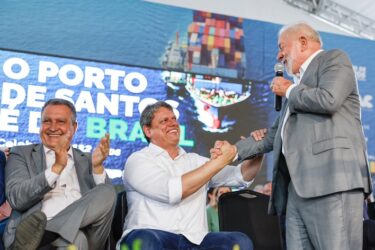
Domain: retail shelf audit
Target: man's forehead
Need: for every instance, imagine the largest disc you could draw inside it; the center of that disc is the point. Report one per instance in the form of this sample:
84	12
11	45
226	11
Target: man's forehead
283	36
163	113
56	110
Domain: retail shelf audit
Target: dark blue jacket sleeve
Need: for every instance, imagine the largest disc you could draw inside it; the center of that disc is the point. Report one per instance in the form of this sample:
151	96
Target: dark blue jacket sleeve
2	181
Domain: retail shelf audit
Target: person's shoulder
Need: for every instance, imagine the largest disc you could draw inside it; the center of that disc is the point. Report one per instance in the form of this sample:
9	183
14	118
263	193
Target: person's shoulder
193	154
335	53
142	153
26	148
335	56
78	152
209	209
197	157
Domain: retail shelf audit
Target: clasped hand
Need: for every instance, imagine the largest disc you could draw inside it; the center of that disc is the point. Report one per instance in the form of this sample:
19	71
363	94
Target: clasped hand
223	150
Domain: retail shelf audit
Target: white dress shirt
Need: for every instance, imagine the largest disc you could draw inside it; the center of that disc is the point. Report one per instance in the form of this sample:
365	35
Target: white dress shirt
66	188
153	183
296	79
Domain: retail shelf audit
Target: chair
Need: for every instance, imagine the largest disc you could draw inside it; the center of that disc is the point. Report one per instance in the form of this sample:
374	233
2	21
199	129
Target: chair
369	226
371	210
246	211
121	210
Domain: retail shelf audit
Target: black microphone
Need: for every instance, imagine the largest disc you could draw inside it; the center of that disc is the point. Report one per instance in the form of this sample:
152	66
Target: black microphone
279	71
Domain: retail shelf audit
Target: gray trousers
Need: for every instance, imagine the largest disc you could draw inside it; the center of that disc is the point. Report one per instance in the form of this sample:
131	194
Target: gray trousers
331	222
86	223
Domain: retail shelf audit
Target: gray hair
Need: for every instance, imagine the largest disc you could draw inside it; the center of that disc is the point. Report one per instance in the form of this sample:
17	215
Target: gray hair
148	114
59	101
302	28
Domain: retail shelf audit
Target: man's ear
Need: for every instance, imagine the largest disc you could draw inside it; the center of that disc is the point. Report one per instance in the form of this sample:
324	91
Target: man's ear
147	131
303	41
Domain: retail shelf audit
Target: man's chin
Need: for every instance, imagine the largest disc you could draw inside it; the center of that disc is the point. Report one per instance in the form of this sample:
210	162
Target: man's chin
176	140
51	144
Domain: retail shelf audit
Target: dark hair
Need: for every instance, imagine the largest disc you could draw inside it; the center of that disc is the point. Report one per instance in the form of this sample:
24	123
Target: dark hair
148	114
59	101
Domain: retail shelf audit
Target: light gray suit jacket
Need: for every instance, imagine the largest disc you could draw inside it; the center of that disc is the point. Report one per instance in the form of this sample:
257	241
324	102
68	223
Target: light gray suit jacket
26	183
324	146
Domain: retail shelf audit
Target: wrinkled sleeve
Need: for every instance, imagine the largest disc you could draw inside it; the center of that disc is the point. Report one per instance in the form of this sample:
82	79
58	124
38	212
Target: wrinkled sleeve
228	176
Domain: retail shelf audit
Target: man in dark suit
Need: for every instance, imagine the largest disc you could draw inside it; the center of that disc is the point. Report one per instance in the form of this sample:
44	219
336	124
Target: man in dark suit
320	171
2	182
4	205
58	193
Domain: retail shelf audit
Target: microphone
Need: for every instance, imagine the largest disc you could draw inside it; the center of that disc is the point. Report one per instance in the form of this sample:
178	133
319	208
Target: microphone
279	71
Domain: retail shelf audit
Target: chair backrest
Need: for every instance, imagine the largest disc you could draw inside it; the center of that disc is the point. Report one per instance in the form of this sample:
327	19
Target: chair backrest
371	210
121	210
246	211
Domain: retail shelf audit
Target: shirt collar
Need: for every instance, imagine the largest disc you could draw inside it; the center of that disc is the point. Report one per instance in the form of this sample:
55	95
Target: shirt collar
304	66
155	150
48	151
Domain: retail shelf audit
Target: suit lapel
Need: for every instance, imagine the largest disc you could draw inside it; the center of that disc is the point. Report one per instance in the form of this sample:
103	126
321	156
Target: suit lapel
82	167
311	69
283	112
38	157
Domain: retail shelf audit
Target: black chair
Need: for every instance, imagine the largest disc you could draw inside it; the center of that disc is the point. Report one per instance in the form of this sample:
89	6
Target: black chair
121	210
246	211
369	227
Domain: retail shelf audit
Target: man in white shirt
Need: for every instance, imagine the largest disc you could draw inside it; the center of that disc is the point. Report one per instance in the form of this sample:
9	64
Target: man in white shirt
58	193
166	189
321	172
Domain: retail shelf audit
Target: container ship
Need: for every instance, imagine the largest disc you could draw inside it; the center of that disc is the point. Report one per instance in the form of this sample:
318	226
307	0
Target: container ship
212	48
214	45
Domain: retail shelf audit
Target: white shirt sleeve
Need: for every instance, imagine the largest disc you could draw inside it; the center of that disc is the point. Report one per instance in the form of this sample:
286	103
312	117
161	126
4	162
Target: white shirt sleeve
99	178
51	177
289	89
229	176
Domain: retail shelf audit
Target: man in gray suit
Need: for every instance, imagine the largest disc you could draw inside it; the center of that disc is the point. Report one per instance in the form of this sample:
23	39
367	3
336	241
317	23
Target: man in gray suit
320	174
57	192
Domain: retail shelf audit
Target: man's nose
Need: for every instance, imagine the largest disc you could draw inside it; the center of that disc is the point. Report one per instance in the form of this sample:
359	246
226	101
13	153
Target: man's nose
280	56
53	126
172	122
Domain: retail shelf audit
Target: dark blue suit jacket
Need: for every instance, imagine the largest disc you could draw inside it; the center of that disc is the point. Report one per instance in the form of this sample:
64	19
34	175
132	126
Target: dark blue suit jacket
2	181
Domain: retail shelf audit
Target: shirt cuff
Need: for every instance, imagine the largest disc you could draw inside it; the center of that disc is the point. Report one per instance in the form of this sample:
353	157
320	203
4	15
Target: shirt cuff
289	89
238	175
175	190
99	178
235	158
51	177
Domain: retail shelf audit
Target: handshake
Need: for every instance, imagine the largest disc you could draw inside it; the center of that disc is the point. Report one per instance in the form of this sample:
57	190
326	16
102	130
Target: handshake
223	151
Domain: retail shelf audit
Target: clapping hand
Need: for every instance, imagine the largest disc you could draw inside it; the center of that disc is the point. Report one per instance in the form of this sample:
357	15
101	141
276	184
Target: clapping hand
61	153
99	154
